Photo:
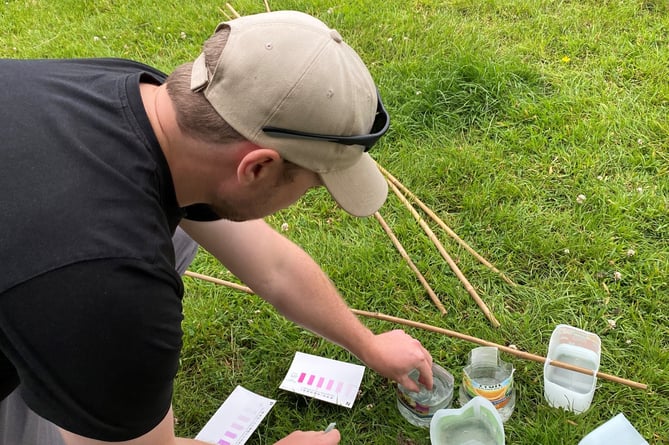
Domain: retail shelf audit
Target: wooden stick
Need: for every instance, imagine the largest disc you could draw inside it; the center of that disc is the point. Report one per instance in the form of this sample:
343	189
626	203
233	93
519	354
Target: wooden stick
454	267
443	225
411	264
234	13
267	6
225	14
219	281
469	338
508	350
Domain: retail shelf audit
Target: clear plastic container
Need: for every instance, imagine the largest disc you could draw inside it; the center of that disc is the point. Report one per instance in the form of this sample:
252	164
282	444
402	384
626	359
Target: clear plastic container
476	423
487	376
564	388
617	430
419	407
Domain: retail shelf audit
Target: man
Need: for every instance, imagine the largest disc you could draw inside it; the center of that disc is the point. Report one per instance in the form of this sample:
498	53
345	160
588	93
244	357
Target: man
100	161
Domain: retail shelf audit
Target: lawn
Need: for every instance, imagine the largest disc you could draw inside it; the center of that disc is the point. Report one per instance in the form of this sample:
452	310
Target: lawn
536	129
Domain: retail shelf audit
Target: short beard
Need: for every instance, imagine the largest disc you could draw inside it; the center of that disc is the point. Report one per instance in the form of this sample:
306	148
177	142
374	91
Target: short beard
239	212
231	212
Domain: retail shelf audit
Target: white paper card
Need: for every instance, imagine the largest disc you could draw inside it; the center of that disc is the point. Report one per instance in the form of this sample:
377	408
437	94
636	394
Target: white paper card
324	379
236	419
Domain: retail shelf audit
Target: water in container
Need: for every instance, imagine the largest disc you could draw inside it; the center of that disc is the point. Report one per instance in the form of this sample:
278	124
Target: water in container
565	388
487	376
477	423
419	407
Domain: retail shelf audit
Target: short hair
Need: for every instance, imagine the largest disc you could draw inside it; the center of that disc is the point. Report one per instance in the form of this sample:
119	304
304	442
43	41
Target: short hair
194	114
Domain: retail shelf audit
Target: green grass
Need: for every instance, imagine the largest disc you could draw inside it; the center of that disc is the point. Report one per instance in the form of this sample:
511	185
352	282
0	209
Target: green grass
503	112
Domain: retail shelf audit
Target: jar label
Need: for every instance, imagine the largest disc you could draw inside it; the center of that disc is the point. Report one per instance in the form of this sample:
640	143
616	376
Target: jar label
498	393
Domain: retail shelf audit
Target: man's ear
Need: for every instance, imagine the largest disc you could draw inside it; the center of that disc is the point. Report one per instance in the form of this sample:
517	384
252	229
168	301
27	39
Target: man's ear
257	164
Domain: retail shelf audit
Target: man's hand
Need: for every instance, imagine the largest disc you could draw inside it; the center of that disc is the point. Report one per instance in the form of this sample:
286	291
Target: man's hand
395	354
311	438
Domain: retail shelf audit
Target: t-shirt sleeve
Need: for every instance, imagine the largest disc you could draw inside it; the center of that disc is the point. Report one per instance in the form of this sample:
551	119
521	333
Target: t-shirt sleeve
96	345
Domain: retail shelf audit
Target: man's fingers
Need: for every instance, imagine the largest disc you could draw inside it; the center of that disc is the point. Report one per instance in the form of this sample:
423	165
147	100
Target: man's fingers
425	370
408	383
333	436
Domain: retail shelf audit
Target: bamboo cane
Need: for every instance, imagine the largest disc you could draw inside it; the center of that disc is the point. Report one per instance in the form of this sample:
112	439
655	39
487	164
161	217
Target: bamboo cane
234	13
458	335
219	281
443	225
411	264
225	14
454	267
508	350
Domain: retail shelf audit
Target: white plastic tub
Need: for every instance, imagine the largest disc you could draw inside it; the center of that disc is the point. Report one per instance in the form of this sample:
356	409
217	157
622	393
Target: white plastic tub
564	388
476	423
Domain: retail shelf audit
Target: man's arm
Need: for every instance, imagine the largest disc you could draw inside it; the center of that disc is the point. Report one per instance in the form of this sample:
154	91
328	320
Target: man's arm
162	434
288	278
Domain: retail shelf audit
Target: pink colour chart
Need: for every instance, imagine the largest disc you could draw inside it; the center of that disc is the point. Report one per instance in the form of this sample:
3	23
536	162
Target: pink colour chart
236	419
324	379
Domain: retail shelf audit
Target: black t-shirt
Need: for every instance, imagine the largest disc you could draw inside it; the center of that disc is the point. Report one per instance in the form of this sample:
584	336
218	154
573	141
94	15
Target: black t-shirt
90	304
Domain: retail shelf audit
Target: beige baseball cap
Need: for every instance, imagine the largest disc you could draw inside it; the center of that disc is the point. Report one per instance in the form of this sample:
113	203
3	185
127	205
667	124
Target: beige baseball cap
286	81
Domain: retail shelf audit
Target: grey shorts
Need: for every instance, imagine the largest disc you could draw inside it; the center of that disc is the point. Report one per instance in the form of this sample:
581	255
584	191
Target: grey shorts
19	425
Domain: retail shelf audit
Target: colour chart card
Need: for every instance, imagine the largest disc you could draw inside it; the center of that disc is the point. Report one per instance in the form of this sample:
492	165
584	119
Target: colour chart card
236	419
324	379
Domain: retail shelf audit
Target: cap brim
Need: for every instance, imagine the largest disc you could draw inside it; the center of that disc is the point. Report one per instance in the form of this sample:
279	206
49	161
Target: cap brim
360	189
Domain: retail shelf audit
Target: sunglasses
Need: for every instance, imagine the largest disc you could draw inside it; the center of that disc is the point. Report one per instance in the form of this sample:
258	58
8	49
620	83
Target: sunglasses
379	128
